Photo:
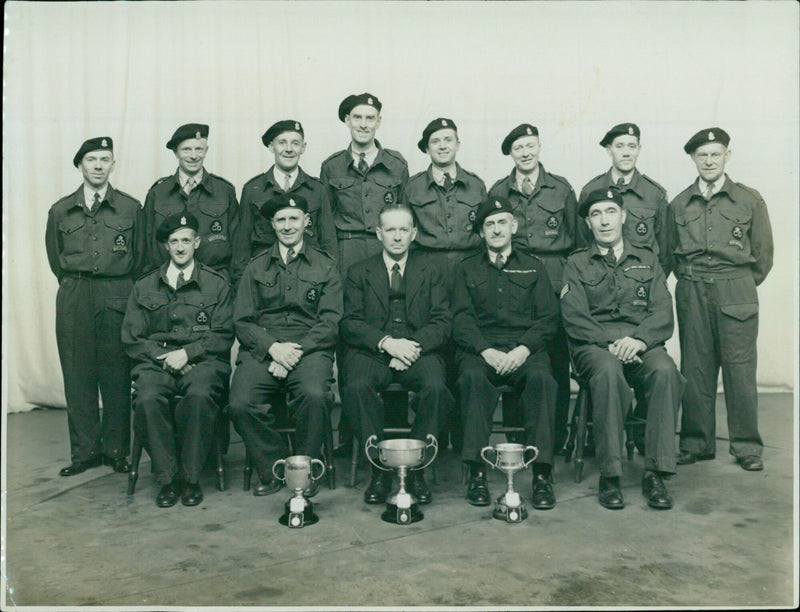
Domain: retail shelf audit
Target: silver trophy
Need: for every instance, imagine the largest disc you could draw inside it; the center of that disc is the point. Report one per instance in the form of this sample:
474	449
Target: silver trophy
402	455
298	474
509	458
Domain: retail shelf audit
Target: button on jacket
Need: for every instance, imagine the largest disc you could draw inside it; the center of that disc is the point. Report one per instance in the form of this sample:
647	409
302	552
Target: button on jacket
503	308
445	219
646	204
601	303
212	201
255	231
108	241
301	302
729	233
357	199
196	317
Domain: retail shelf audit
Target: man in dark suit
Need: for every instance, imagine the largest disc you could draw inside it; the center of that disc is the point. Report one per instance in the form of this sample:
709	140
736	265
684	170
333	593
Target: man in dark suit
396	321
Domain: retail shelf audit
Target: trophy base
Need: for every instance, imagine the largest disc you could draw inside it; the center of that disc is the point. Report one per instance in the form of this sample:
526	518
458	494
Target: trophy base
297	520
514	514
402	516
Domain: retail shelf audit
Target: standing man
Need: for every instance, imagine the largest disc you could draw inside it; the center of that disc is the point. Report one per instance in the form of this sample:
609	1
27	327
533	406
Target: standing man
504	315
618	314
192	189
95	243
286	314
720	240
544	205
179	330
396	321
286	141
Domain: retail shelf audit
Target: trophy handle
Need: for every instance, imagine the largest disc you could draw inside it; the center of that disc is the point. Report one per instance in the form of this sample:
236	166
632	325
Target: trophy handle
370	444
432	443
322	471
487	449
532	459
281	462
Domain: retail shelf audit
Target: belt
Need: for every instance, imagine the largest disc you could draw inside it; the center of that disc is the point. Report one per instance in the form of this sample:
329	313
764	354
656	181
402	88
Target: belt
688	272
92	275
348	235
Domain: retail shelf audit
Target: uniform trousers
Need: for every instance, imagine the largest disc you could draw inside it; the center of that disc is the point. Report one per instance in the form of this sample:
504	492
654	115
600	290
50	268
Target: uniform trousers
89	313
478	390
191	420
368	376
309	405
610	383
715	332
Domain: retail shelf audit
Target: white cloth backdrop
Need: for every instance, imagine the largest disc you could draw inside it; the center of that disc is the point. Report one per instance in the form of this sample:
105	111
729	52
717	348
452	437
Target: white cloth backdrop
135	71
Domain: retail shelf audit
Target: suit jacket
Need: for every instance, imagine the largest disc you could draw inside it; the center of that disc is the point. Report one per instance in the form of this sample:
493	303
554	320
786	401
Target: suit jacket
366	304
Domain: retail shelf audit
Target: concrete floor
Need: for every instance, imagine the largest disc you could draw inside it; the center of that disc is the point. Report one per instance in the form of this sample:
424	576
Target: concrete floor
81	541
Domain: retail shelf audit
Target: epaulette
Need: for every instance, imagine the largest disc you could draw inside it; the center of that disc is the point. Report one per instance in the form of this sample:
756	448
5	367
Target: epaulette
224	180
749	190
211	270
497	182
330	157
149	273
127	195
416	176
578	250
470	255
64	199
396	155
161	180
319	251
472	174
561	179
252	182
688	189
655	184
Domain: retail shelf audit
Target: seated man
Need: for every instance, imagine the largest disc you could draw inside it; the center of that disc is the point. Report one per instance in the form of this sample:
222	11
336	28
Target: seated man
286	314
505	313
396	320
618	313
178	329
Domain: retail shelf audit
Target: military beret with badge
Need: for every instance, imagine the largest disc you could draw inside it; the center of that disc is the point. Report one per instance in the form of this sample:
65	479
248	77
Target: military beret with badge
707	136
185	132
276	129
489	207
350	102
175	222
522	130
623	129
434	126
281	201
101	143
606	194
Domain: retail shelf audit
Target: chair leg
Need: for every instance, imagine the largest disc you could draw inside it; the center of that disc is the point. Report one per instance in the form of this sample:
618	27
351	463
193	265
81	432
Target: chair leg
354	462
136	456
327	452
582	404
248	472
629	441
220	436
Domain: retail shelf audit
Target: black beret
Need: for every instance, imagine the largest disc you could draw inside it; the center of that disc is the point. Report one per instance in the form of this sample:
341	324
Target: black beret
185	132
630	129
287	125
524	129
702	137
434	126
489	207
610	194
282	201
93	144
350	102
176	222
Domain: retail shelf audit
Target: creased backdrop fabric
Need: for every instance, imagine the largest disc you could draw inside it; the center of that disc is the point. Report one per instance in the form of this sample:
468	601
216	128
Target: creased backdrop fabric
135	71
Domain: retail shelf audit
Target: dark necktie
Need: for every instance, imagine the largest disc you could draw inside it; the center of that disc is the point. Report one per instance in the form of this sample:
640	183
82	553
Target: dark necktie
290	256
499	261
95	201
527	186
362	163
611	260
620	183
181	280
448	182
394	286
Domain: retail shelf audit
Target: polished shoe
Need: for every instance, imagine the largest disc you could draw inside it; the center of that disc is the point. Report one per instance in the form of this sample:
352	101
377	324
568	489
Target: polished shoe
119	464
654	490
380	485
478	488
687	458
192	494
418	487
543	496
167	496
610	494
267	488
76	467
751	463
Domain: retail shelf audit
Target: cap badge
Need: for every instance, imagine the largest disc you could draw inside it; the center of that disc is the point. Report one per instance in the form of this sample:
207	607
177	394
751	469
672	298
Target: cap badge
529	131
610	194
497	204
296	125
369	100
292	202
444	122
630	130
711	135
104	143
183	220
197	135
472	216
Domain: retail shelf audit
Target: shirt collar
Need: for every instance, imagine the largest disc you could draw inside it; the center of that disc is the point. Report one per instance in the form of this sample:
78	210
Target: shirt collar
614	176
298	250
88	194
537	177
717	185
183	177
493	256
171	273
618	250
437	174
389	263
369	156
280	176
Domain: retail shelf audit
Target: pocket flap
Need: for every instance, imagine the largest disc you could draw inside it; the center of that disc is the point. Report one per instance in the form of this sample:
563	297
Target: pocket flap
342	183
67	226
593	278
119	224
641	213
551	205
526	279
740	312
153	301
201	300
688	218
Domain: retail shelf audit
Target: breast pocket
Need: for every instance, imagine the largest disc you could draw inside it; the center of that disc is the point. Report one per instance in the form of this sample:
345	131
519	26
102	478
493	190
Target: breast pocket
156	305
640	225
638	282
736	227
690	230
72	235
466	210
550	220
520	289
388	189
596	285
478	291
119	233
213	220
197	310
309	288
267	288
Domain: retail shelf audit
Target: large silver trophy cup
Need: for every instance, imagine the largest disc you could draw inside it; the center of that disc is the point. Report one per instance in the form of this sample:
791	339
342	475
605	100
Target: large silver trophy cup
297	472
402	455
509	458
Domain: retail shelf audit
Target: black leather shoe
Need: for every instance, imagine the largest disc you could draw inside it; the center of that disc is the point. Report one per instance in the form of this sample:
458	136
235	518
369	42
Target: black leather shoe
418	487
478	488
119	464
687	458
77	467
654	490
751	463
167	496
611	494
267	488
192	494
543	496
379	487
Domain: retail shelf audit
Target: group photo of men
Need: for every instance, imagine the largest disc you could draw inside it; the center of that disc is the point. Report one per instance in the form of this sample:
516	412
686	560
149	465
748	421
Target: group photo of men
403	245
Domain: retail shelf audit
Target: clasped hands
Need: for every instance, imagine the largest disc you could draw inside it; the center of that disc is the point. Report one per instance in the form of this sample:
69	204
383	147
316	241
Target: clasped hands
175	362
403	352
627	349
506	362
285	356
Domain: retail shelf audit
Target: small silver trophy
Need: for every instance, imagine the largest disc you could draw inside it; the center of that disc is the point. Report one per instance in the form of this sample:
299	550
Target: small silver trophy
509	458
298	474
